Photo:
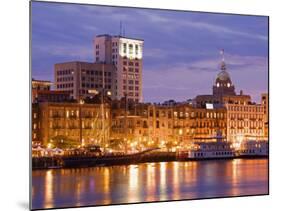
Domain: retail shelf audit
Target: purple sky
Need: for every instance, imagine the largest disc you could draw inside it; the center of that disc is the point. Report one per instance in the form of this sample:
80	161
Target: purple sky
181	49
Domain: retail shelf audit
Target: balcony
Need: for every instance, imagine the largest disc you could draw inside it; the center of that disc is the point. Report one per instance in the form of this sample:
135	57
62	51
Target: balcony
56	116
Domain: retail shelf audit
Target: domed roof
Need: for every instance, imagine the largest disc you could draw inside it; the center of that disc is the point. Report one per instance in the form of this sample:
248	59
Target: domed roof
223	76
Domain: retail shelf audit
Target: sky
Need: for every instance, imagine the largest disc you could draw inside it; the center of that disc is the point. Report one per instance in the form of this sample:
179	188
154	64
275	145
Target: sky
181	49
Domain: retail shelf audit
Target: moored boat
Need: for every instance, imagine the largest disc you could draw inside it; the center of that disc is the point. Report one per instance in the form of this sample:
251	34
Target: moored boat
252	148
211	150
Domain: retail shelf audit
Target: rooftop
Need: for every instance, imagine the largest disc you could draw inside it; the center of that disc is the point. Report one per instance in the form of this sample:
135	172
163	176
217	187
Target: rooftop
119	36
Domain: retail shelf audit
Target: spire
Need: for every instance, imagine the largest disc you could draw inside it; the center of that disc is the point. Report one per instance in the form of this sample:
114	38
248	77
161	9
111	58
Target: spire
223	66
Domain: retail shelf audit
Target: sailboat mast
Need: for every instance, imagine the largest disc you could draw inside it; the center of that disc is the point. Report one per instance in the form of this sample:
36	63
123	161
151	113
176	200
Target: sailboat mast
126	109
102	110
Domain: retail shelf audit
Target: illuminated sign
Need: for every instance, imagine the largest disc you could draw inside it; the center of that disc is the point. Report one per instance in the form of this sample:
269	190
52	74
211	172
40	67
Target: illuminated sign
209	106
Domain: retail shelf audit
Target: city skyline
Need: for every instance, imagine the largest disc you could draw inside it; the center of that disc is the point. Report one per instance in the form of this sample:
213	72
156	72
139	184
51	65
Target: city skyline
174	67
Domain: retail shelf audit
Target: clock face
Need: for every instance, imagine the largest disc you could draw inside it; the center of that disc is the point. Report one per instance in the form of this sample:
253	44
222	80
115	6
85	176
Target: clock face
218	84
228	84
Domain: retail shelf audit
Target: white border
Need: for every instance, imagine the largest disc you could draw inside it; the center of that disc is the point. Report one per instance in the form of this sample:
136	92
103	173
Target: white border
15	102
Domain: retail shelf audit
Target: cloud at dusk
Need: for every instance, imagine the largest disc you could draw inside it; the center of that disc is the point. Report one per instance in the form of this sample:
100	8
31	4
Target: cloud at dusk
181	49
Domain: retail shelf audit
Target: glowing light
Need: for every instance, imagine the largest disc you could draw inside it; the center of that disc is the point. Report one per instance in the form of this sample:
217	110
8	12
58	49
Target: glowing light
49	146
180	131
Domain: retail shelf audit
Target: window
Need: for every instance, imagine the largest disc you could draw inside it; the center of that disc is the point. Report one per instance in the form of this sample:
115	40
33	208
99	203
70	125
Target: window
157	113
124	48
130	49
157	124
137	49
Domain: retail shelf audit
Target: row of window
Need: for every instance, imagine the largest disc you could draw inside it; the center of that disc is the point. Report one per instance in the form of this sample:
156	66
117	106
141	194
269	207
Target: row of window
130	63
67	85
131	88
96	80
96	72
131	76
132	94
245	116
131	82
216	115
245	124
246	108
63	79
246	131
86	85
65	72
130	48
74	113
136	70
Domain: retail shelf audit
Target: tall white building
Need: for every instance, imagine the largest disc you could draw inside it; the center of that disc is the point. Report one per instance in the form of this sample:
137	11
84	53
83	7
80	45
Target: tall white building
126	54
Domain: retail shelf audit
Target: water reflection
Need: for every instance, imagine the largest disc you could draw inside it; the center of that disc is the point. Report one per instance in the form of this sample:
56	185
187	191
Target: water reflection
148	182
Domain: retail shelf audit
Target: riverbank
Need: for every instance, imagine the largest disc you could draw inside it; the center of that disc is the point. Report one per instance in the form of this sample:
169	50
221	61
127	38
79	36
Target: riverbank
92	161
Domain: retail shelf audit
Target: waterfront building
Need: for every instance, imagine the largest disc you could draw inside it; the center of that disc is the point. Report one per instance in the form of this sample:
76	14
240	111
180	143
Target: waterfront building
80	123
38	86
245	121
178	126
85	79
193	124
266	113
52	96
126	55
35	125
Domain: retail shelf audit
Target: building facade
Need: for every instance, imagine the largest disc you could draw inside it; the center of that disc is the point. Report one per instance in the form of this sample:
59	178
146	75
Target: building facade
265	102
39	86
35	125
80	123
178	126
245	121
126	55
85	79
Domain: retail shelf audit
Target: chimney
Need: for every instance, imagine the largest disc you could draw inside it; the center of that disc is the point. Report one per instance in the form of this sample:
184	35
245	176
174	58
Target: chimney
241	92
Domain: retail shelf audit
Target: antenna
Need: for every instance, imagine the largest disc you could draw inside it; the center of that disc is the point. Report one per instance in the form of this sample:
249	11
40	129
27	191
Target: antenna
120	32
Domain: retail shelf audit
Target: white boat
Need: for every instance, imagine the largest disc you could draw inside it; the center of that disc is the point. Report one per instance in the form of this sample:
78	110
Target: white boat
211	150
253	148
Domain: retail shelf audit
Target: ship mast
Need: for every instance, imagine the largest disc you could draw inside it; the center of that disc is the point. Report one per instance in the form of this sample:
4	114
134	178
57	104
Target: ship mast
102	110
125	115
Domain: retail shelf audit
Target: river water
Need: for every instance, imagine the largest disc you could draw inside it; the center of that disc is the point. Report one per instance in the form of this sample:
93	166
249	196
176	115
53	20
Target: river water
148	182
